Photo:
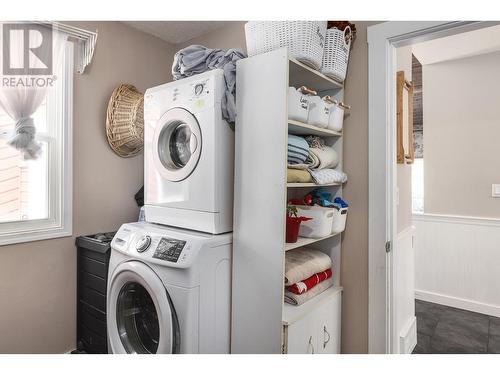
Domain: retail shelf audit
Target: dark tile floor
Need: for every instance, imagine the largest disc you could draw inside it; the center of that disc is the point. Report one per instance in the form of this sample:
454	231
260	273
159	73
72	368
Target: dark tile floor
442	329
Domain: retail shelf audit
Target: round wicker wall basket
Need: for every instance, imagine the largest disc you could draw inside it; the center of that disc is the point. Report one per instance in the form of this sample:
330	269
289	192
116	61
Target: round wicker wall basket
125	121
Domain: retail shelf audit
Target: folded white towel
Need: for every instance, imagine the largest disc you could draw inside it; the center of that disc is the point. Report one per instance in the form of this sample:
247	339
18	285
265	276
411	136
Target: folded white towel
303	263
327	176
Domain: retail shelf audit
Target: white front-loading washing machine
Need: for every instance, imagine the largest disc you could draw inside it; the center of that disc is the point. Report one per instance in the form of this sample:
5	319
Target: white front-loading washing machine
189	155
168	291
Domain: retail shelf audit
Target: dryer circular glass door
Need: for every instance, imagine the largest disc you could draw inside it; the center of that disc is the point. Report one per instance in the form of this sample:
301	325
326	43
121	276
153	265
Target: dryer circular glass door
141	317
176	144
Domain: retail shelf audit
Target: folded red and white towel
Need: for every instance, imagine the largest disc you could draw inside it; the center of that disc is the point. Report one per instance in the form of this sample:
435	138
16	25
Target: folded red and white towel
303	263
305	285
299	299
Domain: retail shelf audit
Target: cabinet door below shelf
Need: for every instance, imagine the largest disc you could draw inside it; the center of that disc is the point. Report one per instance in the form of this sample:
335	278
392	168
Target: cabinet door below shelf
317	332
328	326
302	337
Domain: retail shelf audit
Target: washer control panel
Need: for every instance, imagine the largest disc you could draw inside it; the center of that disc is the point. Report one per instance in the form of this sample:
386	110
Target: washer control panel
169	249
143	243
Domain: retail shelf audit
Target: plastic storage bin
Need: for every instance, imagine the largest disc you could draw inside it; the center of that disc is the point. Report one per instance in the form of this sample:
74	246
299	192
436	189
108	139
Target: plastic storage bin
319	112
336	118
321	223
304	39
298	103
339	219
336	55
92	267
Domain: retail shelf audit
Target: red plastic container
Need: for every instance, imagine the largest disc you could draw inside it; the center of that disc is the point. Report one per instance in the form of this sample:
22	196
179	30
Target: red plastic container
293	226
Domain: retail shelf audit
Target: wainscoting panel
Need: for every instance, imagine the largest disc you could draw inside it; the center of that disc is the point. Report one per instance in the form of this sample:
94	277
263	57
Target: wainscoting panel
457	262
404	286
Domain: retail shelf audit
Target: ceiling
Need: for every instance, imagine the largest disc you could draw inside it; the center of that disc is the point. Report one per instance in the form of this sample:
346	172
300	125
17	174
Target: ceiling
472	43
176	31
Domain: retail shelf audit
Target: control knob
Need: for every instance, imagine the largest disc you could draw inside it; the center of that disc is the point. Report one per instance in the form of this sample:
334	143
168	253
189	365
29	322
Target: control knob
143	244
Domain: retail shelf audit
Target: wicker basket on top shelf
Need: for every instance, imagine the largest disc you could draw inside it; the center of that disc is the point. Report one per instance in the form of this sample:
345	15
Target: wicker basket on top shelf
305	39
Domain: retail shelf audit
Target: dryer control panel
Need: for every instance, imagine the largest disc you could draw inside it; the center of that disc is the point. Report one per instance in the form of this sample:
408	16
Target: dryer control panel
196	94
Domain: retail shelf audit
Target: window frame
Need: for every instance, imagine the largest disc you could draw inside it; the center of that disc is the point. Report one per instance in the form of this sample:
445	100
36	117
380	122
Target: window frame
60	171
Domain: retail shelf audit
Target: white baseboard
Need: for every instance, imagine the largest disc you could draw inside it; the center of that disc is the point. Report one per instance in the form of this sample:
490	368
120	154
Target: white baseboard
408	337
458	303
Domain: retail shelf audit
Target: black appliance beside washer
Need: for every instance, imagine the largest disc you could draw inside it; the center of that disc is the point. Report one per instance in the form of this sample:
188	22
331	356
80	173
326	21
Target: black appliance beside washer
92	277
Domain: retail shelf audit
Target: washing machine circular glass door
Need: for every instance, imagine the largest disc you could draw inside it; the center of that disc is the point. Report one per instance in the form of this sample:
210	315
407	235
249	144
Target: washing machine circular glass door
141	318
176	144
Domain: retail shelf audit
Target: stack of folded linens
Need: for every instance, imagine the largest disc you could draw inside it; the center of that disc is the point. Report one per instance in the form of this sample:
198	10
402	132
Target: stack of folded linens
308	272
298	150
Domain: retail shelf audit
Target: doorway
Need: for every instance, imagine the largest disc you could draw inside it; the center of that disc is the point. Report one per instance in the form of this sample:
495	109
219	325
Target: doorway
385	268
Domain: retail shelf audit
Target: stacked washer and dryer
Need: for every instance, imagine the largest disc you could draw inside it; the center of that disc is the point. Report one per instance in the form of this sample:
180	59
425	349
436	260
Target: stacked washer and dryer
169	284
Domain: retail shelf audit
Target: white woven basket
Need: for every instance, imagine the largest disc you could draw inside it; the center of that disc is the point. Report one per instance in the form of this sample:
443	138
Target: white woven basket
305	39
336	56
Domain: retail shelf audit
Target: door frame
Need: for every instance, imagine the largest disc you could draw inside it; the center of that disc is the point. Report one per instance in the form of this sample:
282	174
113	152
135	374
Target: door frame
383	40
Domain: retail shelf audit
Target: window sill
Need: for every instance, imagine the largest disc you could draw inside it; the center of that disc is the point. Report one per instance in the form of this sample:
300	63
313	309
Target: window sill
35	235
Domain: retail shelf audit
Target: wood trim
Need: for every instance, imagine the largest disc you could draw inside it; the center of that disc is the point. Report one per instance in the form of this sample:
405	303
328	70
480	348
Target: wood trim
456	219
410	156
459	303
400	81
402	84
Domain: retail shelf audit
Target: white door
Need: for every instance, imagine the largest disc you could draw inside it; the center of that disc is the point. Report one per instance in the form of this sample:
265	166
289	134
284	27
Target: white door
140	317
176	144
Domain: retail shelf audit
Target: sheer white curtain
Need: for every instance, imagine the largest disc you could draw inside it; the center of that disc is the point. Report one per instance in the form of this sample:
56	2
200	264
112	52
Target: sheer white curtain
21	94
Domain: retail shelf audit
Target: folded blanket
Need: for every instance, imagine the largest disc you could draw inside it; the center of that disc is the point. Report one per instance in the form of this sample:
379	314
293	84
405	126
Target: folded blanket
298	166
328	176
298	149
303	263
324	157
315	141
303	286
298	175
196	59
299	299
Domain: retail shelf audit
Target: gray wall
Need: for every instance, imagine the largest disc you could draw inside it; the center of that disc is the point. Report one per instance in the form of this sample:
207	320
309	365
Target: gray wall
461	138
354	271
38	279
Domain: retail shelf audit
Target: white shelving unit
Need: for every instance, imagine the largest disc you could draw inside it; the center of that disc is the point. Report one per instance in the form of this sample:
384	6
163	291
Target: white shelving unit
303	241
301	128
261	321
309	184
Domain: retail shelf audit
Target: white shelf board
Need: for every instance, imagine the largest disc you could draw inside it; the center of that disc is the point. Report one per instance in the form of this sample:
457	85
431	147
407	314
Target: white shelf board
293	313
303	75
301	128
303	241
309	184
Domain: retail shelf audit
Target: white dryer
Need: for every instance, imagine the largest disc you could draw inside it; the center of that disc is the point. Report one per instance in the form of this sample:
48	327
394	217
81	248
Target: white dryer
168	291
188	155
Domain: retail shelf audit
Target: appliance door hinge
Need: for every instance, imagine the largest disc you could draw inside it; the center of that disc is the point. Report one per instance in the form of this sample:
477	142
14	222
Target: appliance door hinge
388	247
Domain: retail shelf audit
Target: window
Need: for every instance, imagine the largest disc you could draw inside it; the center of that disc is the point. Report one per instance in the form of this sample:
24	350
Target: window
417	185
36	195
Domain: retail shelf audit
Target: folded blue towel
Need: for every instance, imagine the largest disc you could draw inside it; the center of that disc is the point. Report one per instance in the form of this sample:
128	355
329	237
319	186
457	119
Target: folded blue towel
298	149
